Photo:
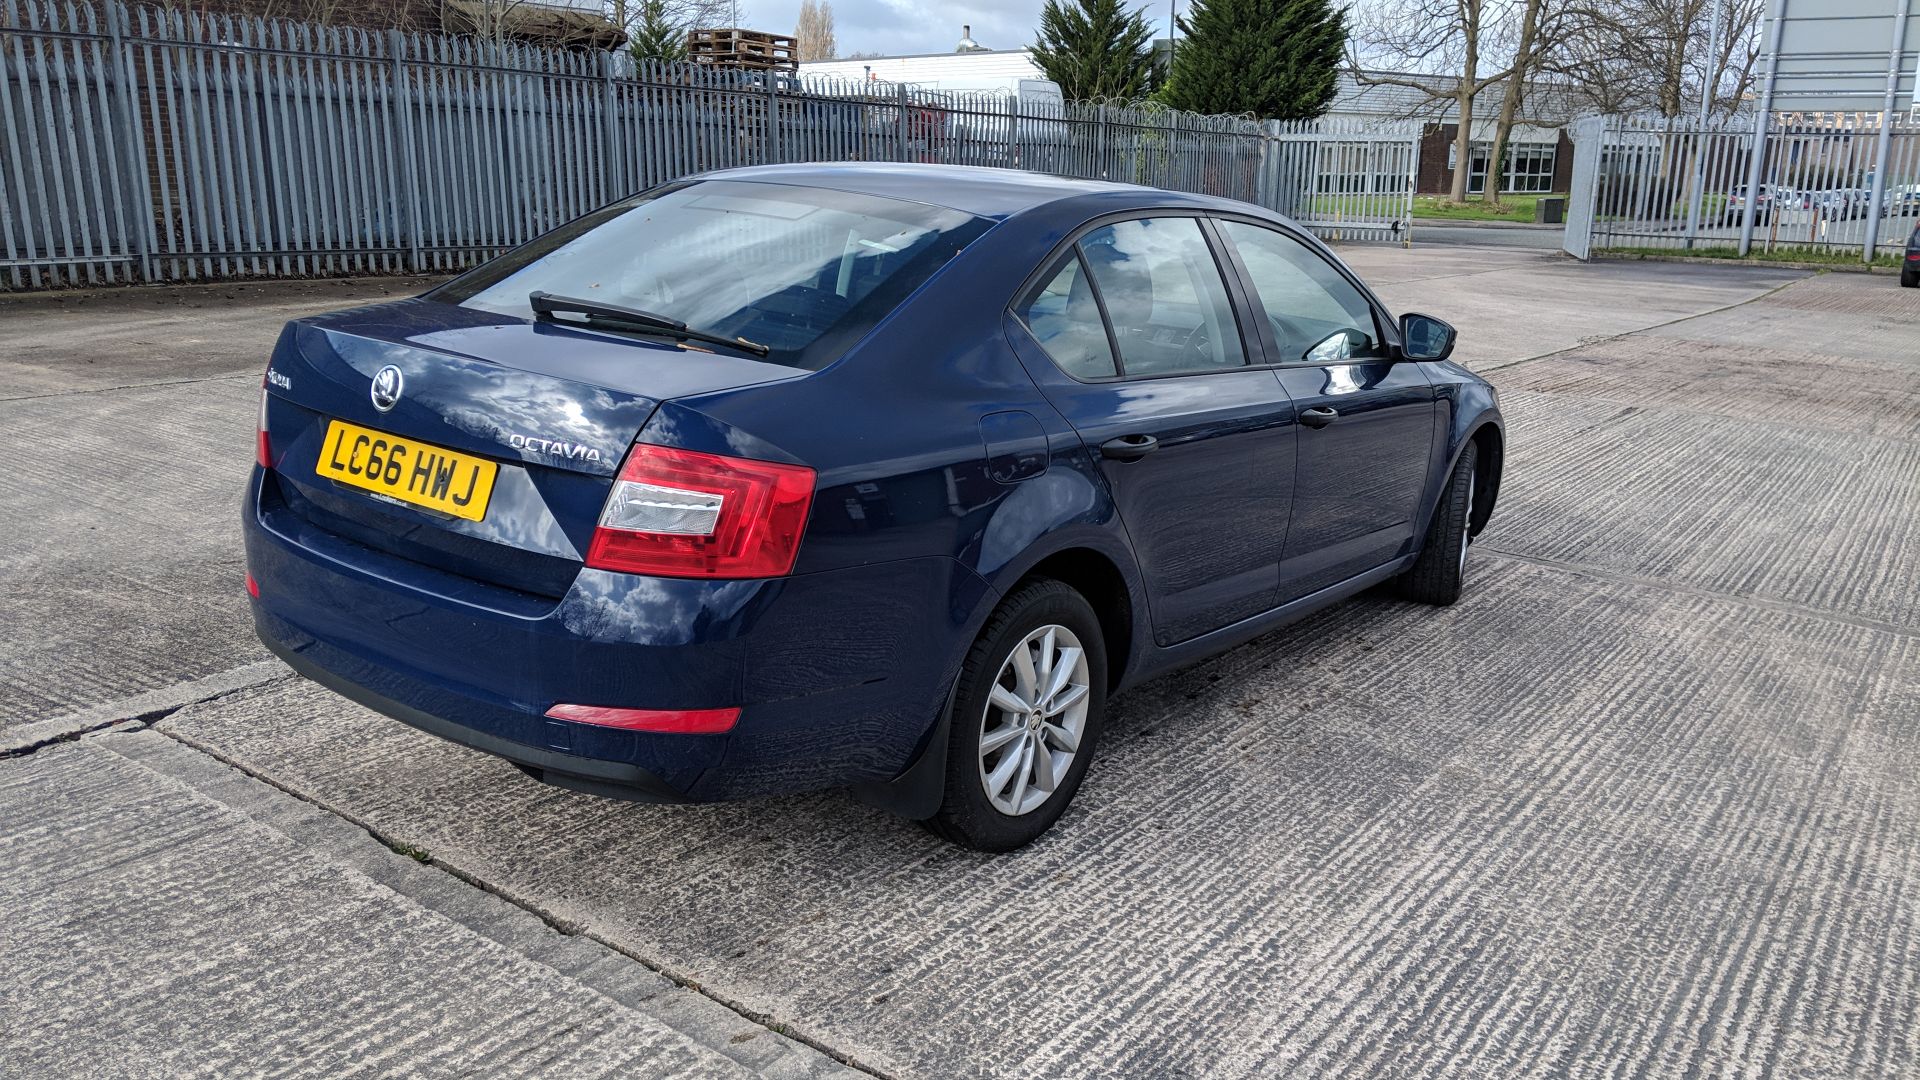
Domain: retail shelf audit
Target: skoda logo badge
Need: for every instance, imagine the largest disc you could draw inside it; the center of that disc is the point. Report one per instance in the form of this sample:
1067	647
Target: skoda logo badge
386	388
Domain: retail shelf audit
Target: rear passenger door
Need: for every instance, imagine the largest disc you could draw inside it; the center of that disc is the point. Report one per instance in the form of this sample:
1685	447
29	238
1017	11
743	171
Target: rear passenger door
1367	424
1133	335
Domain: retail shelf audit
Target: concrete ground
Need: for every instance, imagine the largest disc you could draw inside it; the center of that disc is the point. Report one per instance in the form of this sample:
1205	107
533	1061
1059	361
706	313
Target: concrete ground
1645	802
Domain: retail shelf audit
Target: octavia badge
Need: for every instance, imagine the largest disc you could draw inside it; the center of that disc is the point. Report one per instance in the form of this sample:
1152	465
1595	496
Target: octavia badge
386	388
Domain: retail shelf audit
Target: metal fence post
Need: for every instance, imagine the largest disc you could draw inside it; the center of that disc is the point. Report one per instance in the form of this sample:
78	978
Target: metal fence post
1760	118
139	210
774	146
1885	142
900	132
404	158
610	135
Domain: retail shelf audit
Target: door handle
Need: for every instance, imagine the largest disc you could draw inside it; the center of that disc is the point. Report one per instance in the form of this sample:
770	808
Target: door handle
1129	447
1319	416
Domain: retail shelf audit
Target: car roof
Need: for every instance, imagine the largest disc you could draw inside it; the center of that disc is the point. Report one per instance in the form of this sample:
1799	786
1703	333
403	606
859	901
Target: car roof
972	189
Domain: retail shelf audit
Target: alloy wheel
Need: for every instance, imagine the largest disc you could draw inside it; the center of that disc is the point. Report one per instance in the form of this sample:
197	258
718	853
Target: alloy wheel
1034	719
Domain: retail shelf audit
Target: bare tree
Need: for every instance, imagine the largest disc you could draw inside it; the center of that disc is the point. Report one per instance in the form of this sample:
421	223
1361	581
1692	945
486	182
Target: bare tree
1525	59
1412	36
814	33
643	19
1653	55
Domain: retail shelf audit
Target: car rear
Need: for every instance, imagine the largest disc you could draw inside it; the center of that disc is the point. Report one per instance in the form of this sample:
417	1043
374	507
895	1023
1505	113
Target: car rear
486	524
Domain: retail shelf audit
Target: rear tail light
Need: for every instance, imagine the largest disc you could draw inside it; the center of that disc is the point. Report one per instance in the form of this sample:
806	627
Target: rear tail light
680	513
666	721
262	447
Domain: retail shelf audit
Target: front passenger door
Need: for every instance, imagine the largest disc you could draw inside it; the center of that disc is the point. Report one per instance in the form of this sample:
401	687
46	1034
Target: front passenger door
1134	338
1367	424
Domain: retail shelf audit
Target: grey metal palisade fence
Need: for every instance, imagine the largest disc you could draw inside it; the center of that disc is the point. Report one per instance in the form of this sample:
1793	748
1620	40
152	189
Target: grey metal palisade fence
146	144
1827	182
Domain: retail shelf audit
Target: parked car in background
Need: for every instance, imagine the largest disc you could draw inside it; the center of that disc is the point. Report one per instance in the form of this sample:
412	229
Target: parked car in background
1910	266
878	477
1831	204
1763	203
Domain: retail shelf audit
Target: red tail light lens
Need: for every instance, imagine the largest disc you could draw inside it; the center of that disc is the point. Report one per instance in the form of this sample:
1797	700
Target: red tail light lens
680	513
665	721
262	447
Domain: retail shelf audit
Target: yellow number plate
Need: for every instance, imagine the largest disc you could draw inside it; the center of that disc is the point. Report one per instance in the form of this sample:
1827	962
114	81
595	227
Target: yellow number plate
413	472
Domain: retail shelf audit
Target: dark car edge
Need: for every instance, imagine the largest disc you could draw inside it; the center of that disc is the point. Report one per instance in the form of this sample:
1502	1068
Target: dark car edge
899	522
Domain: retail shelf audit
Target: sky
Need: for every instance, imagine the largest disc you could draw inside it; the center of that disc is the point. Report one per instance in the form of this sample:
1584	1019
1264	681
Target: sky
896	27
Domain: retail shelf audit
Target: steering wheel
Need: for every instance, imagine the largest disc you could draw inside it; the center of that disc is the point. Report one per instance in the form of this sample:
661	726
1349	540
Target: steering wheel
1198	346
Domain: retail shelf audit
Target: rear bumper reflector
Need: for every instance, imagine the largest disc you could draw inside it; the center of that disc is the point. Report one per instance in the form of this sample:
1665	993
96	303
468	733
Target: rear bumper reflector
664	721
253	587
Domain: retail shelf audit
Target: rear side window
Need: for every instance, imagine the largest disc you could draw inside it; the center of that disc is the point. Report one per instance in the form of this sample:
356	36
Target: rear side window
1065	319
804	271
1164	296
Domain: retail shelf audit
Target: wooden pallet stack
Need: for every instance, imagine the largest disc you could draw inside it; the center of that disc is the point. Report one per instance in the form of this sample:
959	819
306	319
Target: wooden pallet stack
754	50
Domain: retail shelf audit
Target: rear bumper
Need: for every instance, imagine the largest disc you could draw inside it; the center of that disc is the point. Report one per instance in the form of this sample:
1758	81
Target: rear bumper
839	675
609	778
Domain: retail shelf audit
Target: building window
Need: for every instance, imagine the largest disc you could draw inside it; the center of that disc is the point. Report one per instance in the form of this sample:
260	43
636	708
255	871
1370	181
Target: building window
1529	168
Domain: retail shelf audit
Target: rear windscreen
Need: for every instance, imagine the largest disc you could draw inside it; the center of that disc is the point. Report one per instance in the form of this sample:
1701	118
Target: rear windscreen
804	271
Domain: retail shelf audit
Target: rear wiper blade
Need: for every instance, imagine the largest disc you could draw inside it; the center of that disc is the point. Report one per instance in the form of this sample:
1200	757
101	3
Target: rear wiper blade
545	304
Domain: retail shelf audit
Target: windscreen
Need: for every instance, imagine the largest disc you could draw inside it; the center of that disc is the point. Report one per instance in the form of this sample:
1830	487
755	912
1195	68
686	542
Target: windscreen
804	271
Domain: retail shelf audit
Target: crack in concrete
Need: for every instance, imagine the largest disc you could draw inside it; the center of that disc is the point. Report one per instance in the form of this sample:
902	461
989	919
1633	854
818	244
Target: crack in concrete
144	708
127	386
1480	368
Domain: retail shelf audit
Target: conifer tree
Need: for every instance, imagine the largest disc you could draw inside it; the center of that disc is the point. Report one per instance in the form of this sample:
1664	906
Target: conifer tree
1095	49
1273	59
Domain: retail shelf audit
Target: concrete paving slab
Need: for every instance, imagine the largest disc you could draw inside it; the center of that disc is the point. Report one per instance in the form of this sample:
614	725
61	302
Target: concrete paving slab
1819	518
60	343
1882	336
1568	820
1512	305
1742	381
224	948
1853	294
262	933
132	579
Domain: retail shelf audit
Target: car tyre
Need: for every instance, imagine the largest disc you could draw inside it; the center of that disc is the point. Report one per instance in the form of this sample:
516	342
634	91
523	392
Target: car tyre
1910	279
1437	575
1055	628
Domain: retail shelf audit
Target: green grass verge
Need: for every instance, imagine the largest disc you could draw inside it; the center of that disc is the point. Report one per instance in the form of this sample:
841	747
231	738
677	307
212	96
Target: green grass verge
1476	208
1809	256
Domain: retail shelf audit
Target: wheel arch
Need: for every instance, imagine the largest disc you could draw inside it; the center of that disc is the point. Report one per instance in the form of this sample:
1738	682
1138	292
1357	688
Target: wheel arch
1097	578
1489	444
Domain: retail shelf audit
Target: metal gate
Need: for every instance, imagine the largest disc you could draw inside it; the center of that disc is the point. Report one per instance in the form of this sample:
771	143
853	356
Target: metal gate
1345	179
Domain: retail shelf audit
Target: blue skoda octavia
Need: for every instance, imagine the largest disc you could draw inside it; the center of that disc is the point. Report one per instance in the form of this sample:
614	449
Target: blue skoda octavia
875	477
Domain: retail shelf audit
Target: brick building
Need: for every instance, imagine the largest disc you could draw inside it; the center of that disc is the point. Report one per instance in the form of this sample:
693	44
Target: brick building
1539	154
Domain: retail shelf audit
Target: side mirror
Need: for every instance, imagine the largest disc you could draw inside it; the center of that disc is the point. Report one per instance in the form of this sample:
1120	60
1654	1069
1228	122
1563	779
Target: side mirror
1423	337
